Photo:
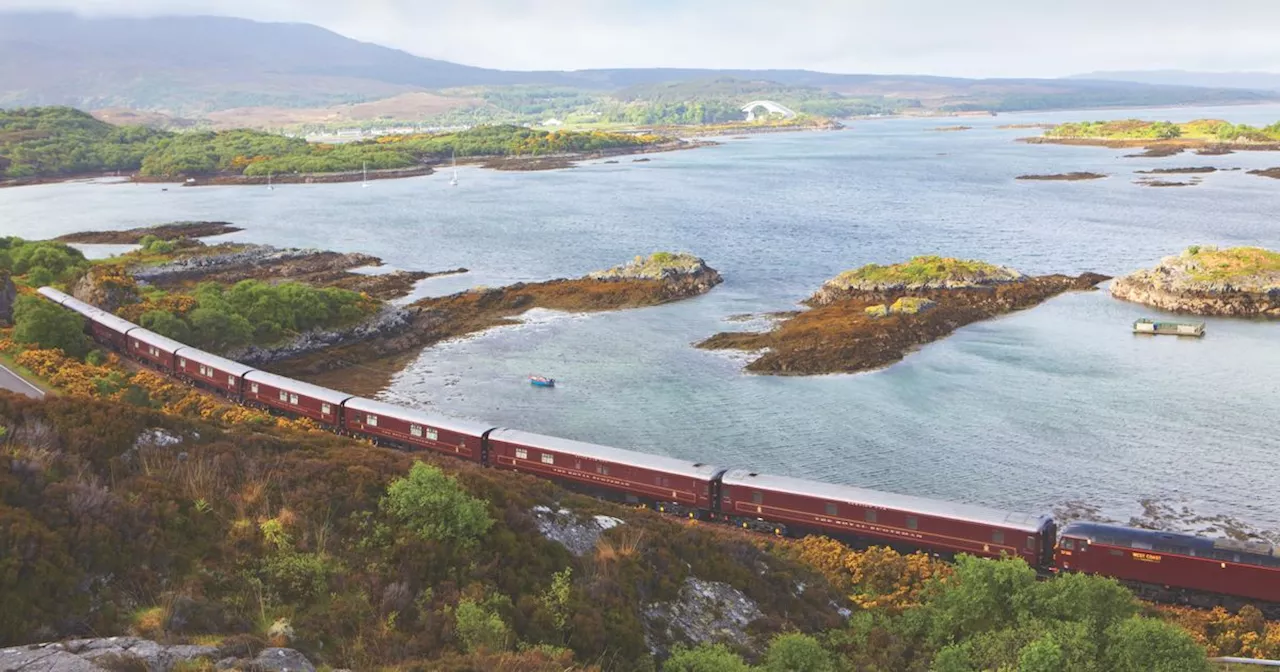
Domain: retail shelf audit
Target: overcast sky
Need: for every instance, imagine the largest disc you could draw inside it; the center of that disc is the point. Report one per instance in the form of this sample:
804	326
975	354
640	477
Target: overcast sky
977	38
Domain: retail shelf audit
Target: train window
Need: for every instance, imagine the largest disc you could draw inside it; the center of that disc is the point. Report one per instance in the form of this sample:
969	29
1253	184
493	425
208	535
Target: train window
602	469
372	421
284	396
137	345
416	430
326	409
912	523
757	497
1068	544
432	434
997	537
1031	543
832	509
253	387
231	380
871	515
293	399
182	362
548	458
522	454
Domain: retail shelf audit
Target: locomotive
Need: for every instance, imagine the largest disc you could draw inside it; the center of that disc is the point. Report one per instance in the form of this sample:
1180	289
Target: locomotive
1159	565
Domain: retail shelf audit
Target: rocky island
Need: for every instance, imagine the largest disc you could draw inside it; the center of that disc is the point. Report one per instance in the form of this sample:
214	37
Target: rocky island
1239	282
873	316
1163	138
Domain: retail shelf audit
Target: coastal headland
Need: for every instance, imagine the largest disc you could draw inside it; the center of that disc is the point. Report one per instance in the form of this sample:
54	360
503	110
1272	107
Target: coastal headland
873	316
1204	280
1209	137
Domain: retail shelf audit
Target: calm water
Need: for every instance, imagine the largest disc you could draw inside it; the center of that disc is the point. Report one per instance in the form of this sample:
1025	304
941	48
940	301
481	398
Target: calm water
1053	404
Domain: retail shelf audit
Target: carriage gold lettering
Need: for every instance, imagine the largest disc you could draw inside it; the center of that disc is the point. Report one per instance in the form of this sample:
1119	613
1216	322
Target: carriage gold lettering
1145	557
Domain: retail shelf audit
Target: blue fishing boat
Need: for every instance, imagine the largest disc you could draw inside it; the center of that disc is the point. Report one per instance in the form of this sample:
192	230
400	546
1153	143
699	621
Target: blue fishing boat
542	381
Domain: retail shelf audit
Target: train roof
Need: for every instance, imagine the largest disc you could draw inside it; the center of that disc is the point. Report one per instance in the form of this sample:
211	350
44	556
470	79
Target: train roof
156	340
888	500
663	463
1126	536
53	295
208	359
382	408
290	385
86	309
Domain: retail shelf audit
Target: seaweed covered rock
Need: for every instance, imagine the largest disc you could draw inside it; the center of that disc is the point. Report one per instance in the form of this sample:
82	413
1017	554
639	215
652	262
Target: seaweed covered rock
1239	281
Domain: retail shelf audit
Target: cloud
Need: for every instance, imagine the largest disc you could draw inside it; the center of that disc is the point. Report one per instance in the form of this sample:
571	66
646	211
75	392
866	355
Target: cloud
944	37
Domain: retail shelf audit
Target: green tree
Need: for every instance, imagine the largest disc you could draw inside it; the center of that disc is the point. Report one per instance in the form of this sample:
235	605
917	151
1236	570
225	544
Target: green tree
952	658
1148	645
434	507
1042	655
218	330
983	595
713	658
795	652
166	324
479	628
45	325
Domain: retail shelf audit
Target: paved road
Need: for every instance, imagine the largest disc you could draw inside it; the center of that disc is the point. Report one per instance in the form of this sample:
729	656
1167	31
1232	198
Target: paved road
14	383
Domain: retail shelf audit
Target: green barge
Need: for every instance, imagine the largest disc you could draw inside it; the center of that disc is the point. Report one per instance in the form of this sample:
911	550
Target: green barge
1150	326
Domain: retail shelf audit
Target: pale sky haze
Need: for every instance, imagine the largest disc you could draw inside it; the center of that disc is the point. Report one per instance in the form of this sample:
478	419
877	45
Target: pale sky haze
967	38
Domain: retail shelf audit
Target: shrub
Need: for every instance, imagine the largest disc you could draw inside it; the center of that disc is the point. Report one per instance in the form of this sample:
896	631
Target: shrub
435	508
47	326
480	629
797	653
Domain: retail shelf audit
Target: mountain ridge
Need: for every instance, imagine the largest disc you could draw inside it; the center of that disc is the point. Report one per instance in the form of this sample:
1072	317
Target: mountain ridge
193	65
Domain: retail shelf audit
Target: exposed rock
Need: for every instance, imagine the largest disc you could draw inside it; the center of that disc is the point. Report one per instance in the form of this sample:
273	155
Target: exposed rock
387	323
706	612
283	660
172	231
1064	177
1240	282
8	295
93	655
1178	171
252	261
920	273
682	269
106	288
1267	172
565	528
156	438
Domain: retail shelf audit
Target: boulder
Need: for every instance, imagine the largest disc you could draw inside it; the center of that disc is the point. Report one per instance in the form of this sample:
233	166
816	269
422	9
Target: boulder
283	660
706	612
107	287
94	655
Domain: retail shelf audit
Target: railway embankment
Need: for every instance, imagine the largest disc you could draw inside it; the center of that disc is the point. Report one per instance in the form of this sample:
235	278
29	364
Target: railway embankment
873	316
366	366
1235	282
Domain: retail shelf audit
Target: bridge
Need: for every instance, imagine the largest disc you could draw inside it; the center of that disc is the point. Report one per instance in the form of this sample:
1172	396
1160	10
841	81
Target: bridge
769	106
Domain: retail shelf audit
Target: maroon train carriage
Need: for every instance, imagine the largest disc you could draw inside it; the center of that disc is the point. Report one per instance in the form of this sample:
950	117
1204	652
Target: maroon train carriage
883	516
671	484
1224	566
294	397
413	429
153	349
212	371
104	327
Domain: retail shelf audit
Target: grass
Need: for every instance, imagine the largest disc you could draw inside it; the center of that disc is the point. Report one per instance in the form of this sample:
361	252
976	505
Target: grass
1137	129
924	270
1211	264
149	622
653	266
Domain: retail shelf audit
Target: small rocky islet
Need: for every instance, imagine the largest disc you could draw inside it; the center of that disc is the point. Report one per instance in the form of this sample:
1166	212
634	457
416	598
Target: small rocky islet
873	316
1205	280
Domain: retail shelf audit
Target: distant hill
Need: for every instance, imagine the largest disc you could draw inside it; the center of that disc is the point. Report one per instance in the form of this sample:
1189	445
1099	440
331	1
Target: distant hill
193	66
1235	80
